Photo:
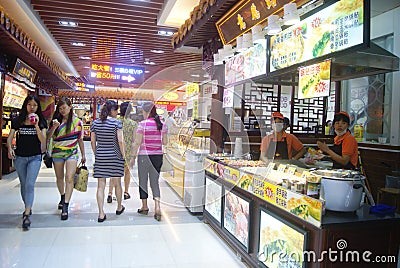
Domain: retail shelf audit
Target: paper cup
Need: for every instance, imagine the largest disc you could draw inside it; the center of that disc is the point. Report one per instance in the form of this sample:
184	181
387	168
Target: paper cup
32	119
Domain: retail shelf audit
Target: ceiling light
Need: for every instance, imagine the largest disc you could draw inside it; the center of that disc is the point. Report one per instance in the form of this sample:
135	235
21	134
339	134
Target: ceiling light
157	51
291	16
274	26
165	33
148	62
67	23
78	44
85	58
86	67
257	34
247	41
147	72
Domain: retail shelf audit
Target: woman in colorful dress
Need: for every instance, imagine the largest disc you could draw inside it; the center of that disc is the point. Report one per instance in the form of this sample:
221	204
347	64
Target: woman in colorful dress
66	131
30	127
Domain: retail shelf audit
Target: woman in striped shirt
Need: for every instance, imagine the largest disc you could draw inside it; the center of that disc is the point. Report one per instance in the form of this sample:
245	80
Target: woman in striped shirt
151	135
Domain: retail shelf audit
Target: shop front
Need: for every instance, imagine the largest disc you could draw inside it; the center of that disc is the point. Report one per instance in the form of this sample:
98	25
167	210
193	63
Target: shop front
327	62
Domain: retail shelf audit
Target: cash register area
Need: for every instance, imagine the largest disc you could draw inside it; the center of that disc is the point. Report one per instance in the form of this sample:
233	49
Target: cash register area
128	240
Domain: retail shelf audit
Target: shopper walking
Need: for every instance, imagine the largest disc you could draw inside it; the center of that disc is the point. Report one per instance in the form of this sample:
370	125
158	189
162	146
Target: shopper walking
66	134
151	135
30	127
129	127
106	141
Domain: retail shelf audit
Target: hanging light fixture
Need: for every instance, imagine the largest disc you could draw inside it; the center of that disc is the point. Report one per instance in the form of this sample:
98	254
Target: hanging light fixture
228	51
291	15
247	41
274	26
239	43
257	34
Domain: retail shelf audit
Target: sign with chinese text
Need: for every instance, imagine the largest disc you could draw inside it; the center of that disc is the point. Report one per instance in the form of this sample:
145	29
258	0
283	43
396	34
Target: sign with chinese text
242	17
228	97
24	70
335	28
116	73
314	80
79	86
14	93
192	89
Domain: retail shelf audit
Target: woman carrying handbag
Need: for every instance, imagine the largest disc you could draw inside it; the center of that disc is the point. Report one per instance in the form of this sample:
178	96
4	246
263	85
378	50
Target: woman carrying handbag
66	130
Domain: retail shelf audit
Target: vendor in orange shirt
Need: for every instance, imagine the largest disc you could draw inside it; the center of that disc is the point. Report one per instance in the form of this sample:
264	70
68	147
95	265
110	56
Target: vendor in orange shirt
344	152
279	144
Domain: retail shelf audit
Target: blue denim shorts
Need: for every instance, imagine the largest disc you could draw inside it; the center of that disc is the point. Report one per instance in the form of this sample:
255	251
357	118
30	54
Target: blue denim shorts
63	159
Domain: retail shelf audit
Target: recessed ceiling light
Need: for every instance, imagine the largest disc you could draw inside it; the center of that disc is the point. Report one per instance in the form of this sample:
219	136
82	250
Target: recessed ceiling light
147	72
86	67
148	62
85	58
158	51
67	23
165	33
78	44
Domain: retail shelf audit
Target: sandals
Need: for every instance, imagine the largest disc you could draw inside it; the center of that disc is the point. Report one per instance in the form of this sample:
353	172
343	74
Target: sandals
126	195
157	217
60	204
102	219
64	212
119	212
143	211
26	222
109	198
30	213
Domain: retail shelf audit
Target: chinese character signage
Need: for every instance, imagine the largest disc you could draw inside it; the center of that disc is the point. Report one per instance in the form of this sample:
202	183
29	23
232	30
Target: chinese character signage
79	86
228	97
242	17
335	28
116	73
314	80
24	70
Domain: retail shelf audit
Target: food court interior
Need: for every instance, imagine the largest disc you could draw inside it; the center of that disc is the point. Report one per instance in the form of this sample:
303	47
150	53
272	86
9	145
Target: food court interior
221	70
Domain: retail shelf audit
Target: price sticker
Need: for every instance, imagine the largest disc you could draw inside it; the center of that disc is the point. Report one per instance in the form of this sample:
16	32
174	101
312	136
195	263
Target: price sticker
291	170
281	168
305	174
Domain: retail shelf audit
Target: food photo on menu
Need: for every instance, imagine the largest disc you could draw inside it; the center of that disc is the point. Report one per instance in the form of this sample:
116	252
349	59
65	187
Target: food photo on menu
280	245
213	199
236	217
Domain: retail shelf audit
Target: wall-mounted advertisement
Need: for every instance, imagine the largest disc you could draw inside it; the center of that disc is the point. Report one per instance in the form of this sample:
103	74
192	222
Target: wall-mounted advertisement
236	217
248	64
281	244
335	28
213	200
14	93
315	80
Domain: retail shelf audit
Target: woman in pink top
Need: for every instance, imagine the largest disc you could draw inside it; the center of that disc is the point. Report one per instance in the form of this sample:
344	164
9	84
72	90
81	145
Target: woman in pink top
151	135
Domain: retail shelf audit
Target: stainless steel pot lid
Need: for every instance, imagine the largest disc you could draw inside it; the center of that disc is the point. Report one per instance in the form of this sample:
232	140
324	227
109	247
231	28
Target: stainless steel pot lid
339	174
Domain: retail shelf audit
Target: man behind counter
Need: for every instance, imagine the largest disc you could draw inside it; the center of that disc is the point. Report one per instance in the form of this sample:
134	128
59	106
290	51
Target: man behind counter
344	152
279	144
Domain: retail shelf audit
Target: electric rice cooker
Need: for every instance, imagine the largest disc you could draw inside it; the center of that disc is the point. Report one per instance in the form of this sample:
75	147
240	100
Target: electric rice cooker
342	190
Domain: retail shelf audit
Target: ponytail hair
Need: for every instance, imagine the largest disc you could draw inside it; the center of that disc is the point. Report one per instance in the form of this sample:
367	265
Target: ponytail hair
150	108
106	110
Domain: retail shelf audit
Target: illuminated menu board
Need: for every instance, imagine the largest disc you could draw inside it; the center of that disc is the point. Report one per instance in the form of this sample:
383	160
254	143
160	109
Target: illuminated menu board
116	73
84	87
335	28
314	80
24	70
14	94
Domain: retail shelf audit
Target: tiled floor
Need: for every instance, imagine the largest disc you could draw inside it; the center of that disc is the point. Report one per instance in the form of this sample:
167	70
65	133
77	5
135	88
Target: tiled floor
128	240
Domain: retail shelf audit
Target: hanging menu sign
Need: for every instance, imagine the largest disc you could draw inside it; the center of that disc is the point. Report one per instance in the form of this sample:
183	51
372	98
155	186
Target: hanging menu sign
242	17
79	86
314	80
116	73
335	28
24	70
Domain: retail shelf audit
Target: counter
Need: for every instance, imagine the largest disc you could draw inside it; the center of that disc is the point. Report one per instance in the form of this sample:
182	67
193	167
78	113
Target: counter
254	227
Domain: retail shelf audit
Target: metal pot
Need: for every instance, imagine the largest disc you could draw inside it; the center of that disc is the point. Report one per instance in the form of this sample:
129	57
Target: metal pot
342	193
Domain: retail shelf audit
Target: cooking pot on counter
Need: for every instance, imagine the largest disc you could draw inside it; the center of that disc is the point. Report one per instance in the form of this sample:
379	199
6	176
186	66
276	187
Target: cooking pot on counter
342	190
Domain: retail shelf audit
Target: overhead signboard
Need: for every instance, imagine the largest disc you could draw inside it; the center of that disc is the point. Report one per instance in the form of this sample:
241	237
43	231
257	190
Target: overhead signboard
314	80
242	17
334	28
24	70
116	73
79	86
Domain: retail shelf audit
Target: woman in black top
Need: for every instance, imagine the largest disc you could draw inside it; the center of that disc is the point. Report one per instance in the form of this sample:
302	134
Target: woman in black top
30	127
